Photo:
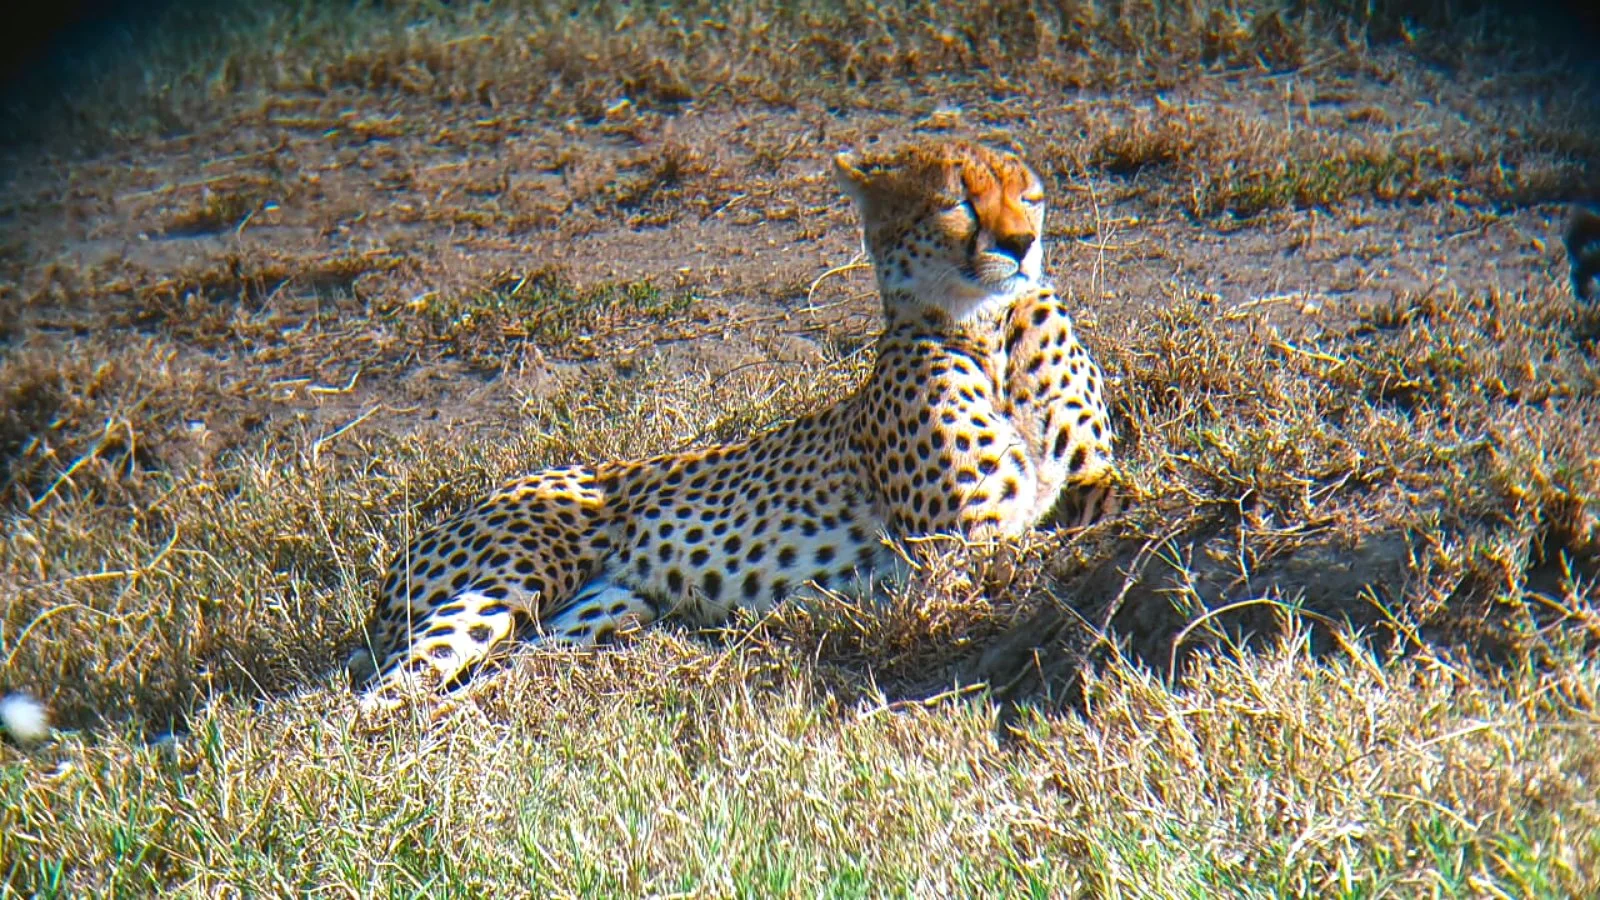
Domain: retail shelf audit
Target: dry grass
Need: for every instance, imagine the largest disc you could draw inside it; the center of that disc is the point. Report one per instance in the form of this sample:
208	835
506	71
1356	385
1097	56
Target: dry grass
325	274
736	775
1242	163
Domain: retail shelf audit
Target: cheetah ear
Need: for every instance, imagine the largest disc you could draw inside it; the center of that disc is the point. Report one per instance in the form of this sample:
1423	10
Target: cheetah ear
854	182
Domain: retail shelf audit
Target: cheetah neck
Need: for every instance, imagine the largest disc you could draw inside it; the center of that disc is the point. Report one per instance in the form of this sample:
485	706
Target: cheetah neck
968	312
976	333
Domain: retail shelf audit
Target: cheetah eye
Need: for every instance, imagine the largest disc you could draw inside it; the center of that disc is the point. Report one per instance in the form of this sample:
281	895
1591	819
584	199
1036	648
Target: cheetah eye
964	206
1032	200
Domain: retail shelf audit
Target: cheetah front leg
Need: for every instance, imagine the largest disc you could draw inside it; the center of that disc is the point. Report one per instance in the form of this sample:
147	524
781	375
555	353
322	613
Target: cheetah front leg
944	458
996	484
1054	392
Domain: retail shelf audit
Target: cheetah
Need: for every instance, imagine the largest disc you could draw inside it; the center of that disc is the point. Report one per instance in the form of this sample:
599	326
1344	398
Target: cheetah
981	411
1582	239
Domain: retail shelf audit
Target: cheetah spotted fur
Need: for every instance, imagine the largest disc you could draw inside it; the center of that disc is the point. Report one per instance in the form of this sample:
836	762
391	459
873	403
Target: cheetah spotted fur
982	410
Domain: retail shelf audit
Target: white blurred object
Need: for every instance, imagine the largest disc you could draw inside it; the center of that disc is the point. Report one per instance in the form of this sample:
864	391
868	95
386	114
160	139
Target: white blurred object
24	718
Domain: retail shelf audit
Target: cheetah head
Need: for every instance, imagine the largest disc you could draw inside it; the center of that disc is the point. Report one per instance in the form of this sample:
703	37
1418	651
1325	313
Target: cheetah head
948	224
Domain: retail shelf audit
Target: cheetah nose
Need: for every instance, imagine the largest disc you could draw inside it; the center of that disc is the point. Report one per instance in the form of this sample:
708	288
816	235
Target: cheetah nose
1014	245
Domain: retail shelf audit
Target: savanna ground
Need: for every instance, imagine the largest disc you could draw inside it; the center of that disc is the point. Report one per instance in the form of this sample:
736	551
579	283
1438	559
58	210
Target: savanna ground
280	285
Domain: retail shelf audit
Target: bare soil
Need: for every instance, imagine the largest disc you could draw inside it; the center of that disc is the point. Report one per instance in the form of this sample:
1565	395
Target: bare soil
249	250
